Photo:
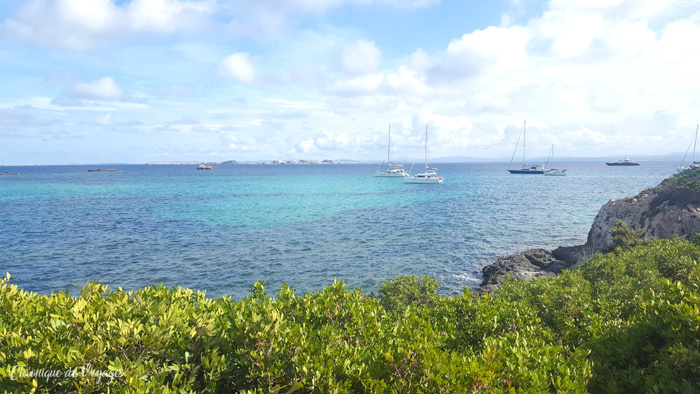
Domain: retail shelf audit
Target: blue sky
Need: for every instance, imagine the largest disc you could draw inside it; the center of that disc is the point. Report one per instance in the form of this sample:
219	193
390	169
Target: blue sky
211	80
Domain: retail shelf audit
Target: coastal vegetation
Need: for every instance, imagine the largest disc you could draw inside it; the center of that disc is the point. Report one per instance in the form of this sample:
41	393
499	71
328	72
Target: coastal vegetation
625	321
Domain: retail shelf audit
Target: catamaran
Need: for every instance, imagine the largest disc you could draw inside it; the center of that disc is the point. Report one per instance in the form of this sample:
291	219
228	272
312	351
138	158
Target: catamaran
430	175
393	170
526	168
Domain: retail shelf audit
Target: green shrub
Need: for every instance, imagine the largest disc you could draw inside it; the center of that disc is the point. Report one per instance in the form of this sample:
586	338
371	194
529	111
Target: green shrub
397	295
628	321
624	237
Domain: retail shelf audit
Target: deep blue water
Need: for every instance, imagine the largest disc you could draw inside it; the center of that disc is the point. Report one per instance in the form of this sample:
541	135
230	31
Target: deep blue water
305	225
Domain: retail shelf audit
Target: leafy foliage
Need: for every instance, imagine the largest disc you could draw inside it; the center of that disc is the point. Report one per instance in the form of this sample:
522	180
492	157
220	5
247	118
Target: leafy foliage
688	179
627	321
397	295
624	237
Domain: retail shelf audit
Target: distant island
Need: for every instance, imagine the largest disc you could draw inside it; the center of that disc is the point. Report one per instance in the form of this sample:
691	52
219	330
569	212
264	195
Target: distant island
103	170
291	161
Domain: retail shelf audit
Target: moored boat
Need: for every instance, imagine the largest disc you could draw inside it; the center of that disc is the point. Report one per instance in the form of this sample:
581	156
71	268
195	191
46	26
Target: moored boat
526	168
393	170
694	143
553	171
430	175
623	162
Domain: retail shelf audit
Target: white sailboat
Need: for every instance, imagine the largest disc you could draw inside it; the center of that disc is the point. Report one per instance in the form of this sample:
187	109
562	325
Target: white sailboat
393	170
553	171
526	168
693	142
430	175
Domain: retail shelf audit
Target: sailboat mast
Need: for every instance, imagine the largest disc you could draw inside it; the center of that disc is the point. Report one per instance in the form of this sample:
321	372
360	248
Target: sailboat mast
426	147
696	141
524	121
388	153
550	156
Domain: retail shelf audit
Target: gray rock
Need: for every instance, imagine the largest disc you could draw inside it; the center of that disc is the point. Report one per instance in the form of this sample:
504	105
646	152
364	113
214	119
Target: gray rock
671	209
533	263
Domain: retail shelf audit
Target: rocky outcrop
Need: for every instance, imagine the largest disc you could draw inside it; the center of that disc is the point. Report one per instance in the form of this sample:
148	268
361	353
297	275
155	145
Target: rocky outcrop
206	167
672	208
660	214
533	263
103	170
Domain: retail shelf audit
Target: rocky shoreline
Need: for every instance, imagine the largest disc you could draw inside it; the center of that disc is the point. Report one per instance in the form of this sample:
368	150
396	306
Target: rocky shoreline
668	210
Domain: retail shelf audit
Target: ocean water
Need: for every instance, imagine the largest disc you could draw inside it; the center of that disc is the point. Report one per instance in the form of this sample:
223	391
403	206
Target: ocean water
304	225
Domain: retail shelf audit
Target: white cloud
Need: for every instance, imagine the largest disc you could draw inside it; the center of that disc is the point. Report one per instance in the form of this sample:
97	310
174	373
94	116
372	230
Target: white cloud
237	143
324	142
619	9
356	86
306	145
103	89
178	91
361	57
238	66
590	76
166	15
332	141
627	39
483	51
80	26
320	7
286	114
22	116
84	25
365	104
187	120
200	128
101	120
569	34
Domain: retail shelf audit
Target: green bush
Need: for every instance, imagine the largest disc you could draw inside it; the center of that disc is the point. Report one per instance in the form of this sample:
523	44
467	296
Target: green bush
405	291
627	321
624	237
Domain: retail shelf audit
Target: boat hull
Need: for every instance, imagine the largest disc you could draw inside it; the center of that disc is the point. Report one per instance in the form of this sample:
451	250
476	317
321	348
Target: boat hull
391	174
532	172
422	180
622	164
554	174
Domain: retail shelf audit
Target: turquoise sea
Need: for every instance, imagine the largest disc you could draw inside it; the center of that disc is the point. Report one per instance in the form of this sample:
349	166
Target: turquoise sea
305	225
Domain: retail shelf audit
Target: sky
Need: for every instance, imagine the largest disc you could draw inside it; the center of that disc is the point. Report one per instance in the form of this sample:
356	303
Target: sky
139	81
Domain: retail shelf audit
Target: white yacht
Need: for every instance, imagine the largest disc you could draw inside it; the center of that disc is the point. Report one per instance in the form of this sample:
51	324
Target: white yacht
393	170
623	162
430	175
